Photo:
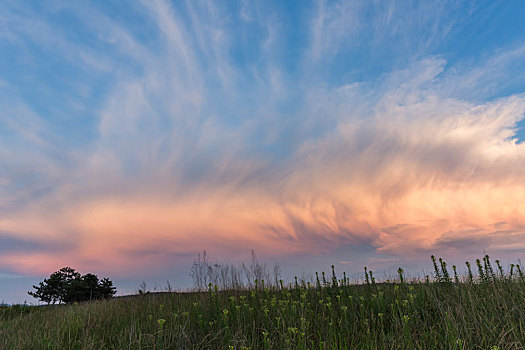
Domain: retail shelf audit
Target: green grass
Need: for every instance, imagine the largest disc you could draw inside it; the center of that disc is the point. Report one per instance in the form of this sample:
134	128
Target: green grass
486	313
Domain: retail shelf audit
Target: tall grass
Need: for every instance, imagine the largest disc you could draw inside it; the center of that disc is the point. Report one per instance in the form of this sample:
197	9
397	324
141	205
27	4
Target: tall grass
482	311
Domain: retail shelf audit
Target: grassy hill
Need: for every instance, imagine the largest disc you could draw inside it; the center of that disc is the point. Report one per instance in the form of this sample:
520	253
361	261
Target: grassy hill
485	312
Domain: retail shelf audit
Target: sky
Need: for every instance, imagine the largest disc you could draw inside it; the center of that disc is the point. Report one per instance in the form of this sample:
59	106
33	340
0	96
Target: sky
135	134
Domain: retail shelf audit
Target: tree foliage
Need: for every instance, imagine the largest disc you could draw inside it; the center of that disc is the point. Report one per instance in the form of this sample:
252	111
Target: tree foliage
68	286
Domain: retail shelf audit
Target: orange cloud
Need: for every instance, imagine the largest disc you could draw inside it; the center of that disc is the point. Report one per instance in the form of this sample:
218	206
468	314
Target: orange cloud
405	170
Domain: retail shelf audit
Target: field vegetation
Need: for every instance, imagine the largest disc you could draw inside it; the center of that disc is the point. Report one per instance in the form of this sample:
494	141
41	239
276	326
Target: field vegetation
483	309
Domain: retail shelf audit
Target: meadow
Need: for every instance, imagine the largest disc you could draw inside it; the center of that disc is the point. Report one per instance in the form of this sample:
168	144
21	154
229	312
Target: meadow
483	309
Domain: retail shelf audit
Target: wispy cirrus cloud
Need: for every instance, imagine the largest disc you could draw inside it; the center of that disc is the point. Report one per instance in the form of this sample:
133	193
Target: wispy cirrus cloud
200	134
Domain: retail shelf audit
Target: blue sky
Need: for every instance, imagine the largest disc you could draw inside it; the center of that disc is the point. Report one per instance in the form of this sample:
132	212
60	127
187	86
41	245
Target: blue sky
137	131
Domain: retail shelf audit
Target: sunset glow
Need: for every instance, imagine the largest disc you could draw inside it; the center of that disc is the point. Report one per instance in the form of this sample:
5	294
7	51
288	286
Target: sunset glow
134	135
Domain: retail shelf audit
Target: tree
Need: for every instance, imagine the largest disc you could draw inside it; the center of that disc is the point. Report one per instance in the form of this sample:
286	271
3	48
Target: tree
106	289
68	286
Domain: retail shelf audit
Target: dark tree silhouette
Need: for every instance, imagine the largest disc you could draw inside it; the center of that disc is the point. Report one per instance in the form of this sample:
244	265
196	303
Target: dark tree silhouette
68	286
